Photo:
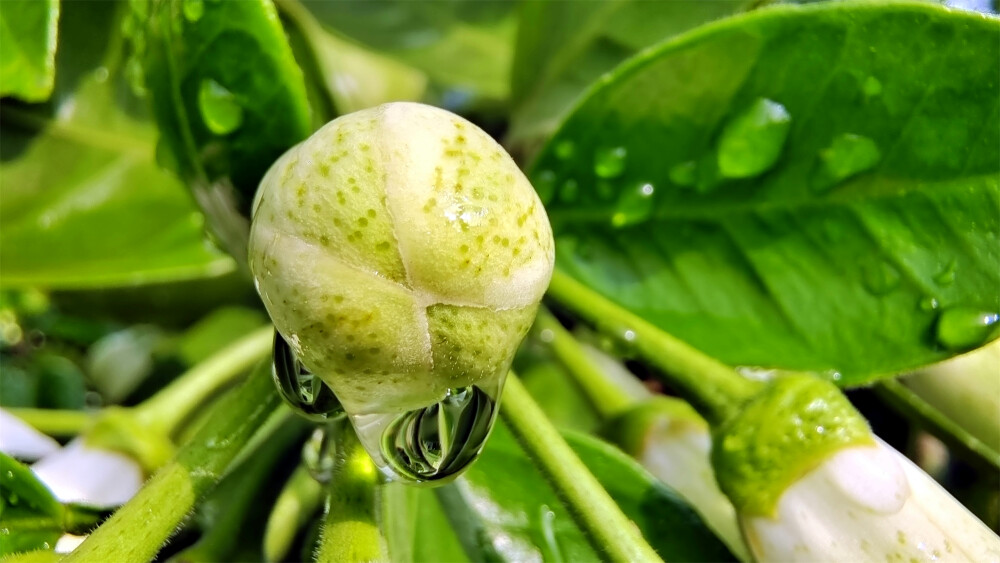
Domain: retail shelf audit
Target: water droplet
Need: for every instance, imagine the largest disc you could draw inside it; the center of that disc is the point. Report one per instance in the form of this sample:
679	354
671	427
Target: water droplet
218	107
10	475
305	393
961	328
880	277
465	215
847	155
634	206
684	173
565	149
570	191
752	141
193	10
319	454
872	87
610	162
928	304
437	442
545	185
13	498
946	276
628	335
547	336
101	74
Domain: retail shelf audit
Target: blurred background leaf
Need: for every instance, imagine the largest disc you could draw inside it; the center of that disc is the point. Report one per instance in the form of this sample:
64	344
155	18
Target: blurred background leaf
84	203
738	190
28	48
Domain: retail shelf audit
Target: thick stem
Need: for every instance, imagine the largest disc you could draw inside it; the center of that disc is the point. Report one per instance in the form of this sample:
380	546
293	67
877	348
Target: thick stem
713	388
140	527
606	527
605	396
175	403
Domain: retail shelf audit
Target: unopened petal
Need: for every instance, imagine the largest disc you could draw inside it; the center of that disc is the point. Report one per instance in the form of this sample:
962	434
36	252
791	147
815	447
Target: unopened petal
20	440
90	476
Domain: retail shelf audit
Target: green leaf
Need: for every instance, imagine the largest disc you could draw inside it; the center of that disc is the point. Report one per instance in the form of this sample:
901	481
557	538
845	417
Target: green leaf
28	48
563	47
225	89
84	204
503	509
836	245
562	400
352	77
30	516
465	46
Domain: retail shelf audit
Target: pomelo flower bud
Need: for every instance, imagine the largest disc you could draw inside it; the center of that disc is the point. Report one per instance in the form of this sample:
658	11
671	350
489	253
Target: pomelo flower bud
811	483
402	254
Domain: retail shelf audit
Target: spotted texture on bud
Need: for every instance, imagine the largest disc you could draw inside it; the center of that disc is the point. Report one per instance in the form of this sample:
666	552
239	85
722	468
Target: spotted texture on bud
400	252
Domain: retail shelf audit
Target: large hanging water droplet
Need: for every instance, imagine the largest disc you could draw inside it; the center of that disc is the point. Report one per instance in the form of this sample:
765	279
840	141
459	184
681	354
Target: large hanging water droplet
880	277
193	9
962	328
847	155
438	441
946	275
684	173
634	206
752	141
305	393
218	107
609	162
319	453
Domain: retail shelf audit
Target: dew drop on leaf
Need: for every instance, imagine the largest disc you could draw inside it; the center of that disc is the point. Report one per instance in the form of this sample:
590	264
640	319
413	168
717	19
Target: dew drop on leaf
634	205
847	155
946	276
193	9
961	328
545	185
218	107
684	173
565	149
880	277
752	141
872	87
609	162
570	191
928	304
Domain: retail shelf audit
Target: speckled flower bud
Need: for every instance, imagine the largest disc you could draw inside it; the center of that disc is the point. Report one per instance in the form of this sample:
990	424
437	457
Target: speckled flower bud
401	253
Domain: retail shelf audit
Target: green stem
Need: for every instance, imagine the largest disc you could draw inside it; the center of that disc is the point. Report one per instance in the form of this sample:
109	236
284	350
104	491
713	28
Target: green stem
56	423
175	403
140	527
922	413
713	388
606	527
350	532
296	505
605	396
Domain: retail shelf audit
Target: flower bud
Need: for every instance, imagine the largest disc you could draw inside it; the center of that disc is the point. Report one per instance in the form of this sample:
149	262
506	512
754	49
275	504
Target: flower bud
402	255
811	483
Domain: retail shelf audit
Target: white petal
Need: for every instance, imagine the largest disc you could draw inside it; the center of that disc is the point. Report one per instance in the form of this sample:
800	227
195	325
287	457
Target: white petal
869	504
19	439
68	542
90	476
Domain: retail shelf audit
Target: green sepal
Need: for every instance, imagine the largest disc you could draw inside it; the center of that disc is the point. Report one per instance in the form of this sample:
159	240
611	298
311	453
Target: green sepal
631	429
787	430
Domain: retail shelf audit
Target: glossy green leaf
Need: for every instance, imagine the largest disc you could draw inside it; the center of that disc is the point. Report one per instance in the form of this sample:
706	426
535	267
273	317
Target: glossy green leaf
352	77
28	48
466	47
872	211
504	509
84	203
30	516
227	95
563	47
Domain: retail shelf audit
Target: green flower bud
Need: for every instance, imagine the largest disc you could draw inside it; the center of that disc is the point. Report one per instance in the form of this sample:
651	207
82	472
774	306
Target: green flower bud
401	253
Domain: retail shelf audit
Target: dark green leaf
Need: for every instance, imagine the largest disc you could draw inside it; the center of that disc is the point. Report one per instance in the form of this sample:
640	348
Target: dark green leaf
464	46
84	205
30	516
563	47
838	251
504	509
28	48
226	92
